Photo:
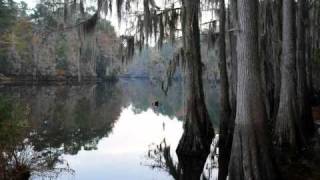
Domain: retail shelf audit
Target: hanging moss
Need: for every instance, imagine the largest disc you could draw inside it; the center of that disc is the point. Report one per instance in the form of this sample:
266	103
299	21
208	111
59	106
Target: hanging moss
106	6
161	30
173	21
66	13
73	7
153	4
212	35
88	26
130	47
81	7
155	24
176	61
119	6
141	34
126	48
149	24
147	19
110	6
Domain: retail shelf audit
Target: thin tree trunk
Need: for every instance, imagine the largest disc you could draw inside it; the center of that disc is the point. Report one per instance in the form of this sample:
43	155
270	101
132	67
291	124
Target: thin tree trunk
225	135
78	67
194	145
314	34
309	44
250	155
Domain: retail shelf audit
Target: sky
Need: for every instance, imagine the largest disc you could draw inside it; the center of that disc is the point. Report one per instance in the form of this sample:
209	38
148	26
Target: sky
31	3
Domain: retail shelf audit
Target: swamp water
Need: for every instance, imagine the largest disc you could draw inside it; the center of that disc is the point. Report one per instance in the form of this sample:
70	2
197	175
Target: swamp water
101	131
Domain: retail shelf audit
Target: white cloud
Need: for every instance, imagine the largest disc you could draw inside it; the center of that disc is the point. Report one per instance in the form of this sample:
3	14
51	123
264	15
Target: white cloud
31	3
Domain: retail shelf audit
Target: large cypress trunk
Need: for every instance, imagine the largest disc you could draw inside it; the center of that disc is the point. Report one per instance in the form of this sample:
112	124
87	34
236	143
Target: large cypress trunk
287	130
250	155
225	135
304	105
194	145
276	56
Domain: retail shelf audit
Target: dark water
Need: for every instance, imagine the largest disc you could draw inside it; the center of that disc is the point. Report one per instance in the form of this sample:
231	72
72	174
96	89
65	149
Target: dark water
103	131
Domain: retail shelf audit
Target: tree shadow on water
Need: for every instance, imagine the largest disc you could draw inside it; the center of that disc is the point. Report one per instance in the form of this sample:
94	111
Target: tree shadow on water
185	167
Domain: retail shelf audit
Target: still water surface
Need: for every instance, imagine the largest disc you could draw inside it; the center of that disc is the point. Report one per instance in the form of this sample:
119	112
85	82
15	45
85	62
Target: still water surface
105	131
123	154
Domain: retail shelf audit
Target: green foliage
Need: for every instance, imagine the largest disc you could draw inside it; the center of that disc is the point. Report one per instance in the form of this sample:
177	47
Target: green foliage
4	62
13	122
8	13
43	16
7	20
106	27
22	32
17	157
15	33
82	113
17	42
23	7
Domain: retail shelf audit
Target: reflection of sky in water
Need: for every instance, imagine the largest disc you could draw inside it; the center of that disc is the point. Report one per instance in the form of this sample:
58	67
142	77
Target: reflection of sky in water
122	155
117	139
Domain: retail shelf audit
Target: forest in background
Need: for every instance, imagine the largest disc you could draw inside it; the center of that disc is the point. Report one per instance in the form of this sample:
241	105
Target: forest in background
39	44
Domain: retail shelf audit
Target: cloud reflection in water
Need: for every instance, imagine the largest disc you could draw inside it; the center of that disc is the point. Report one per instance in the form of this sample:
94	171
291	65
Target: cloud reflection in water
121	155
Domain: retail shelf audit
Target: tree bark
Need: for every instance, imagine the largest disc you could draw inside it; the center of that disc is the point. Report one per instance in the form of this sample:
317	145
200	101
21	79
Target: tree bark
233	26
195	142
310	45
225	135
250	155
276	56
288	131
265	41
303	96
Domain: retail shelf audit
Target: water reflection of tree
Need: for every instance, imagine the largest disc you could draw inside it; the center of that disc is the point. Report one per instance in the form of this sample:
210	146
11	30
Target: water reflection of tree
18	159
161	159
64	119
78	117
142	93
24	161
